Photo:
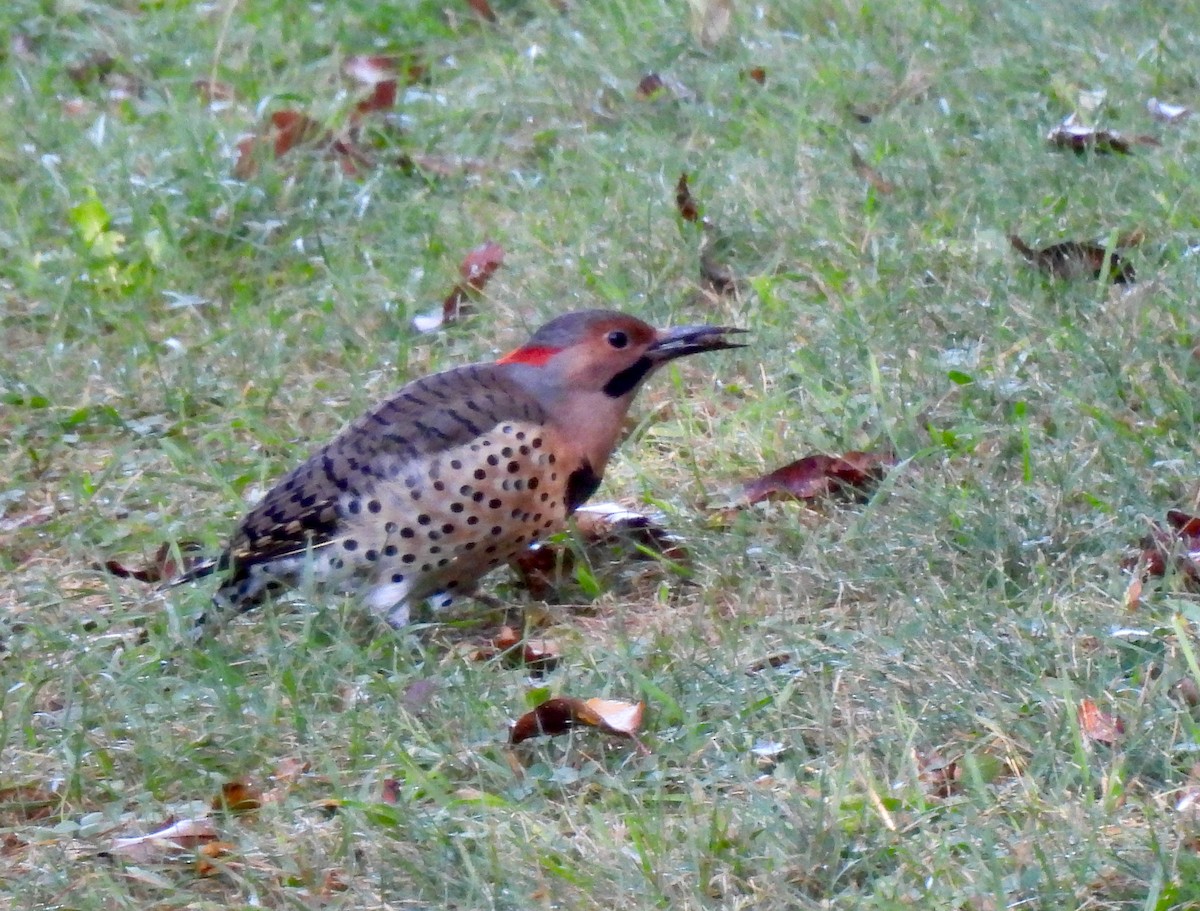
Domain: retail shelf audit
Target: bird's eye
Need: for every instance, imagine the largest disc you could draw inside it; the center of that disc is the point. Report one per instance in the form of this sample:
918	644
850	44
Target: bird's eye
618	339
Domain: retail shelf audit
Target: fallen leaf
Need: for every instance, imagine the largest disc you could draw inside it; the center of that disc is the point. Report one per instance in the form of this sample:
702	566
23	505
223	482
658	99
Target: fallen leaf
390	791
237	797
1176	546
819	476
684	201
27	803
95	67
290	129
650	86
371	69
290	770
162	566
779	659
1133	592
601	529
441	165
1098	725
1075	259
940	777
876	180
538	656
715	275
483	10
1167	113
382	98
166	843
560	714
211	90
1076	136
333	882
208	852
476	270
22	46
710	21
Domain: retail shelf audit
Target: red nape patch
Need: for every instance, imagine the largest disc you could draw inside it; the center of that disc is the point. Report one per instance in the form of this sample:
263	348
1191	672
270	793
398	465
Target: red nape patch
534	356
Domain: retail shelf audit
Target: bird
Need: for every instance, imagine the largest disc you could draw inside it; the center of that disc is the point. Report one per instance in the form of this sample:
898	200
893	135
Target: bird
456	473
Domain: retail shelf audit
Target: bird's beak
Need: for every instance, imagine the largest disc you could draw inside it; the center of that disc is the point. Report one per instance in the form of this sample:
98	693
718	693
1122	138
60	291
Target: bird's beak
683	340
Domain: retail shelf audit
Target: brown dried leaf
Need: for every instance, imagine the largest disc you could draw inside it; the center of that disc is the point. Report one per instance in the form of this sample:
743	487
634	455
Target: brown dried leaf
939	776
715	275
483	10
442	166
1176	546
1075	259
685	203
1099	726
161	567
650	86
1079	138
818	476
390	792
290	770
710	21
26	803
166	843
538	656
93	68
877	181
476	270
382	98
238	797
1167	113
560	714
779	659
211	90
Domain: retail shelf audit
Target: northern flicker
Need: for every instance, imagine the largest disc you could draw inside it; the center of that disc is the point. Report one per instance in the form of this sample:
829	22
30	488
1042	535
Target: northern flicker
456	473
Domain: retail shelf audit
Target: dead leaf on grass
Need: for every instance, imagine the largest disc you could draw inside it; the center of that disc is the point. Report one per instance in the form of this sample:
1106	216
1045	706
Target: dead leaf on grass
538	656
442	165
715	275
1166	112
868	173
939	776
483	9
655	86
476	270
212	91
560	714
94	67
1078	137
162	566
26	803
1098	725
602	529
710	21
1076	259
779	659
238	797
390	791
685	203
166	843
820	476
1177	545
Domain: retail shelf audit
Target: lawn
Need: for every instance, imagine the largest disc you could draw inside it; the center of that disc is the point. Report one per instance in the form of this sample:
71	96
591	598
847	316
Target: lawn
948	695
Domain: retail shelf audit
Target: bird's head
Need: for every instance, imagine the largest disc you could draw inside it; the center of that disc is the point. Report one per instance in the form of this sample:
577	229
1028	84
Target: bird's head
610	353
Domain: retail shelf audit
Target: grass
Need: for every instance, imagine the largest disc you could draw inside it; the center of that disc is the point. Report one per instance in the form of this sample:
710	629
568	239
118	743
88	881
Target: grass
175	339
